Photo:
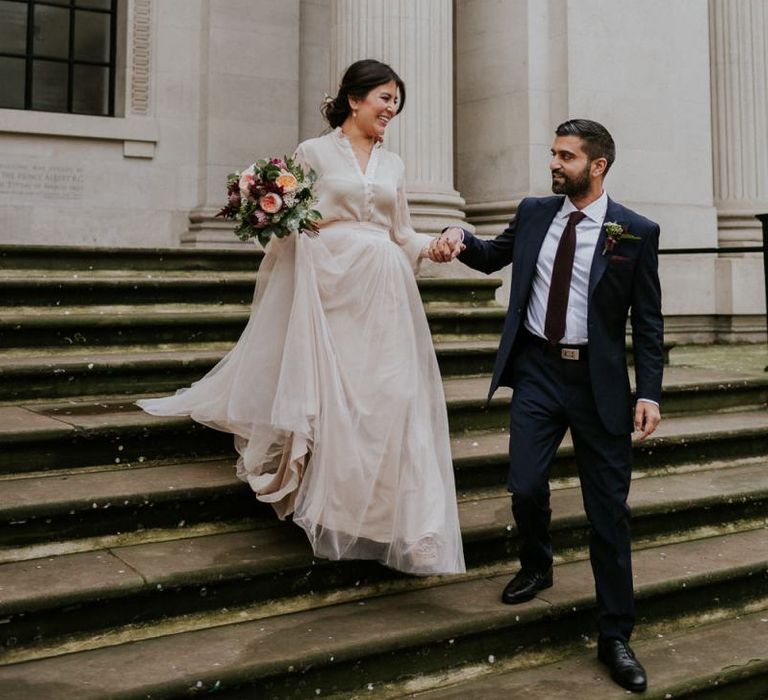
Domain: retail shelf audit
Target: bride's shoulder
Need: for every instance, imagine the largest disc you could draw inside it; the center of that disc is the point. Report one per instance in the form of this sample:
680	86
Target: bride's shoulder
317	142
314	148
395	160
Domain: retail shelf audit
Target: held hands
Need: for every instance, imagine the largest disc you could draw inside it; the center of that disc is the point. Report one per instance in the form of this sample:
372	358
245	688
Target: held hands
447	247
647	417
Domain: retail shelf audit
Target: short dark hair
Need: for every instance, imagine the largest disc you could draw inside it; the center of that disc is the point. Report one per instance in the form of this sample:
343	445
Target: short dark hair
359	79
598	143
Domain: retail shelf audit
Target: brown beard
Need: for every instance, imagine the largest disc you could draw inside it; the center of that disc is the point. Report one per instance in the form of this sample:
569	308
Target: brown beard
573	186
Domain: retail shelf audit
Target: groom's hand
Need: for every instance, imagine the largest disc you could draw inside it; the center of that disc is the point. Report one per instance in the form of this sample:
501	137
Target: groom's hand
647	417
448	246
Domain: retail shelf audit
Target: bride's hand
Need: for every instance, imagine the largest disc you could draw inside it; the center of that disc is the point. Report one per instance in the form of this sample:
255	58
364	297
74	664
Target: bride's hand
448	246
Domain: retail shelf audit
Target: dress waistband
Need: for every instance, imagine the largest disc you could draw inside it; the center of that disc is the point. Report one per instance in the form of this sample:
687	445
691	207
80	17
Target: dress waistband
367	226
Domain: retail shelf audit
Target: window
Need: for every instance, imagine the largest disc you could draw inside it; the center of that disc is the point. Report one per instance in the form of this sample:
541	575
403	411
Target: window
58	55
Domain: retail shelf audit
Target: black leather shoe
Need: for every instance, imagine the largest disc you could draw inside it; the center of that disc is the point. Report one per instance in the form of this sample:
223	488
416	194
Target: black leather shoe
525	585
625	669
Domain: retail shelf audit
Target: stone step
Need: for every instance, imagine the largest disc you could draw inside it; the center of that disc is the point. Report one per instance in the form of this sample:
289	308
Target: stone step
362	644
82	434
75	258
37	435
481	459
89	503
92	326
715	660
224	520
121	370
101	431
75	370
685	390
62	595
38	288
80	503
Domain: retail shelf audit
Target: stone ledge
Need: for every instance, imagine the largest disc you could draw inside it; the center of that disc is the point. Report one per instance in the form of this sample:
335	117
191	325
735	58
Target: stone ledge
82	126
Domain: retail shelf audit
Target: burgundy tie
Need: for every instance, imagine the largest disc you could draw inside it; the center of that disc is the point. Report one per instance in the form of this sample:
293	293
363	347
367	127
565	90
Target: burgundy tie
560	286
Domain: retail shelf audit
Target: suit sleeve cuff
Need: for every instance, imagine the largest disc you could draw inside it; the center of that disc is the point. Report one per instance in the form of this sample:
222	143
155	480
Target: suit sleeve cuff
655	403
458	227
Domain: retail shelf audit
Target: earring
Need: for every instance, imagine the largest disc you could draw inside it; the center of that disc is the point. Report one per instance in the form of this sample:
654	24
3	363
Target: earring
354	114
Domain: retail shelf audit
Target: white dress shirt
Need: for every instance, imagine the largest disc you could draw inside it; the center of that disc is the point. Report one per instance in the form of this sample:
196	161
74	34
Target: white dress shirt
587	233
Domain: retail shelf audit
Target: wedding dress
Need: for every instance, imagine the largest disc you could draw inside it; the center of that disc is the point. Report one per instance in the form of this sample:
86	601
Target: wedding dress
333	391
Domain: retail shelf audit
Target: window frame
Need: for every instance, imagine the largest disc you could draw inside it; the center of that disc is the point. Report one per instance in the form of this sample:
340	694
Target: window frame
30	56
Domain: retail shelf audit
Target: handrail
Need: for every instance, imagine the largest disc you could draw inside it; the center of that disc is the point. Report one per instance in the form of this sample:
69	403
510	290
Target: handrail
732	249
763	218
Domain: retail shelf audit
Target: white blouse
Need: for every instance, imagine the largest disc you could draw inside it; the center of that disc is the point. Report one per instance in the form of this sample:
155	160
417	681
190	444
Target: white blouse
346	193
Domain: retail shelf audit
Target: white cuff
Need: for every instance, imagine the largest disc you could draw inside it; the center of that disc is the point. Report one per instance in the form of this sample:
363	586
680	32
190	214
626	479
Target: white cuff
655	403
458	227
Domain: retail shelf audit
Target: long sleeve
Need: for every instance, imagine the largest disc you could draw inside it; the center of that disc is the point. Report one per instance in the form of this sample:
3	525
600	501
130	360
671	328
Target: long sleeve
490	256
300	158
648	322
413	244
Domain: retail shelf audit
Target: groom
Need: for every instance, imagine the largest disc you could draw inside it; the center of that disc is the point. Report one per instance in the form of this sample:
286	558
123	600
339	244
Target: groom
581	264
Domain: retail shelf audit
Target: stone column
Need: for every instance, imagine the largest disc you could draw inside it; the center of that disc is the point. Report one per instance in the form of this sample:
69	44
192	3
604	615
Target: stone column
511	90
739	79
739	65
415	37
248	100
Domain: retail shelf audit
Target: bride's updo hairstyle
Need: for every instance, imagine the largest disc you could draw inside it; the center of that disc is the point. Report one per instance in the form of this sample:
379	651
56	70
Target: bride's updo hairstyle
359	79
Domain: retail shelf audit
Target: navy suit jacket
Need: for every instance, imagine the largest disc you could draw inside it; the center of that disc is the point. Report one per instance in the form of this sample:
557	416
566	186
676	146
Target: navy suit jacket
624	281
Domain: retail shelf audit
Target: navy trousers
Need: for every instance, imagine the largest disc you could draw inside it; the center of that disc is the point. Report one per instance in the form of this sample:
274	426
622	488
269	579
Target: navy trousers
552	394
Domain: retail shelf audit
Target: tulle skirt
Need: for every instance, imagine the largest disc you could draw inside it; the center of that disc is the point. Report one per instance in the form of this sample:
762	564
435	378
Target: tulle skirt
335	399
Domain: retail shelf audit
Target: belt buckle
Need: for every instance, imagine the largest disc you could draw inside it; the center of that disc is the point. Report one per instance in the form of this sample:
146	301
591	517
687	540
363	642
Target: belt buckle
569	353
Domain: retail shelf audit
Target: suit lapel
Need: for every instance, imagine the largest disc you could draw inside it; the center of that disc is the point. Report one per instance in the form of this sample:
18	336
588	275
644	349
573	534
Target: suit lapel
539	225
600	261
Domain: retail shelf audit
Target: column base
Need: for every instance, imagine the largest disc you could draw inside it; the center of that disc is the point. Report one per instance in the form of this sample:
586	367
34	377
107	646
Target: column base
491	218
739	228
431	212
714	328
207	231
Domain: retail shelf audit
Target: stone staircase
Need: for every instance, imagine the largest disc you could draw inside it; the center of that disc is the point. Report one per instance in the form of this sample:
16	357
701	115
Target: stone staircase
133	564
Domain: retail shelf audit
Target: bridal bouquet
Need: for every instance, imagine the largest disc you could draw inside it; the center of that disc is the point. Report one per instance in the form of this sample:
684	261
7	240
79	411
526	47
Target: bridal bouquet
271	198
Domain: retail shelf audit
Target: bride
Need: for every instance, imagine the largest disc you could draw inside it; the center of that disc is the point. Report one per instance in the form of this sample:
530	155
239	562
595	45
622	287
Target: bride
333	391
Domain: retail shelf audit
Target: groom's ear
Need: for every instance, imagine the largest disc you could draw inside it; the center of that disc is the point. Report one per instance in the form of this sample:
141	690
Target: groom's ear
598	167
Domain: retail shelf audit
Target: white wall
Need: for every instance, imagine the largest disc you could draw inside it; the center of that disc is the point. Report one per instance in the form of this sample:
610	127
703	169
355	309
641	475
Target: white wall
223	91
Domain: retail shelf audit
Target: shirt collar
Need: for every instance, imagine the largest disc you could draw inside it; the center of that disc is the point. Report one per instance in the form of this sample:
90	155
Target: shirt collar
595	211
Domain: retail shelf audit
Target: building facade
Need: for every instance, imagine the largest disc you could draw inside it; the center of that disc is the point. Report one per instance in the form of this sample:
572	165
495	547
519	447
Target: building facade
163	98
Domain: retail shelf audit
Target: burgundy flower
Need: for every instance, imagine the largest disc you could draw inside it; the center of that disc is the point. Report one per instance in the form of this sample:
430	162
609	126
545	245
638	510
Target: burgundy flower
268	186
259	219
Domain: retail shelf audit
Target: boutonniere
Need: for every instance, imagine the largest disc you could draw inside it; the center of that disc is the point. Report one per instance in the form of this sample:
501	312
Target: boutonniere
615	232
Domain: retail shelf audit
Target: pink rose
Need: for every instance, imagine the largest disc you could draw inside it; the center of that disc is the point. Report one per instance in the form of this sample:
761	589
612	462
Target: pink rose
246	180
259	219
271	202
